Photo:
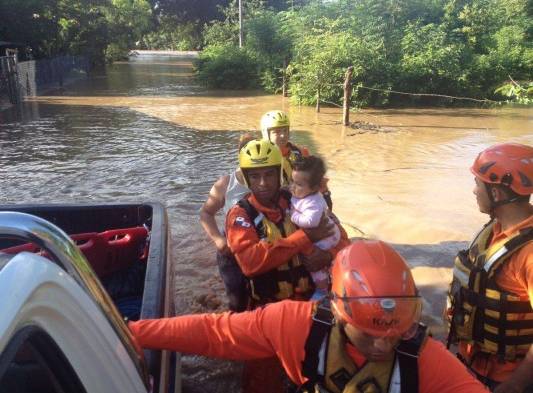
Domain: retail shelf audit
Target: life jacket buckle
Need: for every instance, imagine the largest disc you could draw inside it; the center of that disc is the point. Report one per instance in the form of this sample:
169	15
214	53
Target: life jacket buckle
323	313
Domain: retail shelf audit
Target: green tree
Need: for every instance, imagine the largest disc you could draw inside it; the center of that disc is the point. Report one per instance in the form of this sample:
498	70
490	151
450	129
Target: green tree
227	67
430	62
128	21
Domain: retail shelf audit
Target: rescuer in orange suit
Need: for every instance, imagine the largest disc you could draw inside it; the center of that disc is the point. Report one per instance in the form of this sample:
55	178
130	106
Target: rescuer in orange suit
364	337
491	295
268	248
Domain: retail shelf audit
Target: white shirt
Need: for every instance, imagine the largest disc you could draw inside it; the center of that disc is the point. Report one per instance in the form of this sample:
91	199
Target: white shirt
307	212
234	192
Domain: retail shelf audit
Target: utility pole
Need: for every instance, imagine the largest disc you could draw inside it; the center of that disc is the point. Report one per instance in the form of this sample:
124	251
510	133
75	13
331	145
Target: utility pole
240	24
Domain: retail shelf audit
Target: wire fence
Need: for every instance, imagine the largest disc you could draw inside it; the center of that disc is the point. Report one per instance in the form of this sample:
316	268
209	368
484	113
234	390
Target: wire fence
8	80
350	91
30	78
35	76
483	100
391	92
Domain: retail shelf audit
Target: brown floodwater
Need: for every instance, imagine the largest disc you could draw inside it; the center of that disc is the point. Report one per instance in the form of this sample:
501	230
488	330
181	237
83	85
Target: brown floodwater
145	130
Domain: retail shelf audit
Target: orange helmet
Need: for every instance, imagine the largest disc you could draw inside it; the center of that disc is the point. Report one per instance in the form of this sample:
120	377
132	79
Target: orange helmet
508	164
373	290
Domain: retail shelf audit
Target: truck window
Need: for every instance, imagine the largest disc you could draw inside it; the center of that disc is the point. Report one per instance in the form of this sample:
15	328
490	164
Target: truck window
32	362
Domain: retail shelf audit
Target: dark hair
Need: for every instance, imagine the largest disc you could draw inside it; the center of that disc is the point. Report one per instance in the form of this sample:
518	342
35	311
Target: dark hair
312	165
244	139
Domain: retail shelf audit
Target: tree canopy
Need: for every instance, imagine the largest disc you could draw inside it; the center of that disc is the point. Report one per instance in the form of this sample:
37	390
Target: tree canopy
93	28
450	47
477	48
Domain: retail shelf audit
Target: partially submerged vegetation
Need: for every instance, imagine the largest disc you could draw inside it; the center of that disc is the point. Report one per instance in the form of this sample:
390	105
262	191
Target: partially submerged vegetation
471	48
448	47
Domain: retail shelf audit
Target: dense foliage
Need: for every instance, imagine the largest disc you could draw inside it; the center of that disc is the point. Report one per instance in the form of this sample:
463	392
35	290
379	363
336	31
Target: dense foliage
475	48
227	67
171	34
97	29
451	47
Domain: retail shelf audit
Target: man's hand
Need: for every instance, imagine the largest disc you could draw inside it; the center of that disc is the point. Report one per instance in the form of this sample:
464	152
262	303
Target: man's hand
317	260
222	245
324	229
138	349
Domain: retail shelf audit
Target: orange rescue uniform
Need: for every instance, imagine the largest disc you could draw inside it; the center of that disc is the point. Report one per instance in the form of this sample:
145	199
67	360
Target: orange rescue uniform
281	329
257	257
515	276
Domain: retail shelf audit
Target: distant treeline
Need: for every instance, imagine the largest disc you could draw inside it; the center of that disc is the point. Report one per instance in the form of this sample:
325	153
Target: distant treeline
449	47
105	29
96	29
475	48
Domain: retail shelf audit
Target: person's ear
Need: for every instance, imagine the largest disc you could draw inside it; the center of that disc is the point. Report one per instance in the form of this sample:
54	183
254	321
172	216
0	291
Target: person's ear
497	194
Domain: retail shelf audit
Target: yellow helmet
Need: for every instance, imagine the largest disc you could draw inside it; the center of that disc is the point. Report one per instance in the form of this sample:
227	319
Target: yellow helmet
273	119
259	153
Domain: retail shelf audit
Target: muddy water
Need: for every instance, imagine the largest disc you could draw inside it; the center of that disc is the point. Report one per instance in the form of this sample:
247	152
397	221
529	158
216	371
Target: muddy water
146	131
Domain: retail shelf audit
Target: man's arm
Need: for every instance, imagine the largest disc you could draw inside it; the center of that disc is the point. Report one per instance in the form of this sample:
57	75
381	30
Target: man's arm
343	242
229	335
279	329
254	255
215	202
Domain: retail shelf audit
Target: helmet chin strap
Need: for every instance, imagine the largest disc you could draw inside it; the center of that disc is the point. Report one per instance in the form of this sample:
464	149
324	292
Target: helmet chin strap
494	204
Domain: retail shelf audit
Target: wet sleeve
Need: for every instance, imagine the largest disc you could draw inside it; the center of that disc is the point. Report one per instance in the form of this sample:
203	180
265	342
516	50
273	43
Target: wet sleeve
442	372
254	255
274	330
234	336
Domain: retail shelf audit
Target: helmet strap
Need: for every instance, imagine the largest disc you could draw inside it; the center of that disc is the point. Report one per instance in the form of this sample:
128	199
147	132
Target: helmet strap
245	177
493	203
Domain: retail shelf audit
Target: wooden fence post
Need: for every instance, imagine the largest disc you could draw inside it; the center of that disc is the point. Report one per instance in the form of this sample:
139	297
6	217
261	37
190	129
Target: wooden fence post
285	92
347	94
318	100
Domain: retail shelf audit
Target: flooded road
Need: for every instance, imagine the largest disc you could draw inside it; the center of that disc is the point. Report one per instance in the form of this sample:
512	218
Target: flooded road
147	131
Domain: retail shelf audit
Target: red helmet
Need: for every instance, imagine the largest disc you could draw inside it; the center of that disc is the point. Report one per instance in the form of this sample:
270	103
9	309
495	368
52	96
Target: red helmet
373	290
508	164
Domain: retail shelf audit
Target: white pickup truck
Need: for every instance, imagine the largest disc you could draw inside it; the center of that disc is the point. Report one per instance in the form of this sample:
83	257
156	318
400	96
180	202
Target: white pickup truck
60	330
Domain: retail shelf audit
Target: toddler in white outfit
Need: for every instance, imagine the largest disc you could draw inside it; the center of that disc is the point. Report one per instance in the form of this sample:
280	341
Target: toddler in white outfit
308	206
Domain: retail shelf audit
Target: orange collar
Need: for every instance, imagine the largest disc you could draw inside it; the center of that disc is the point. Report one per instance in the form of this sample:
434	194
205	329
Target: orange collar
499	234
274	214
285	150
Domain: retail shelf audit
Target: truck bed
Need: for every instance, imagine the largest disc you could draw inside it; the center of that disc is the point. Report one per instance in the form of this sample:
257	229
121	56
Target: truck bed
127	246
